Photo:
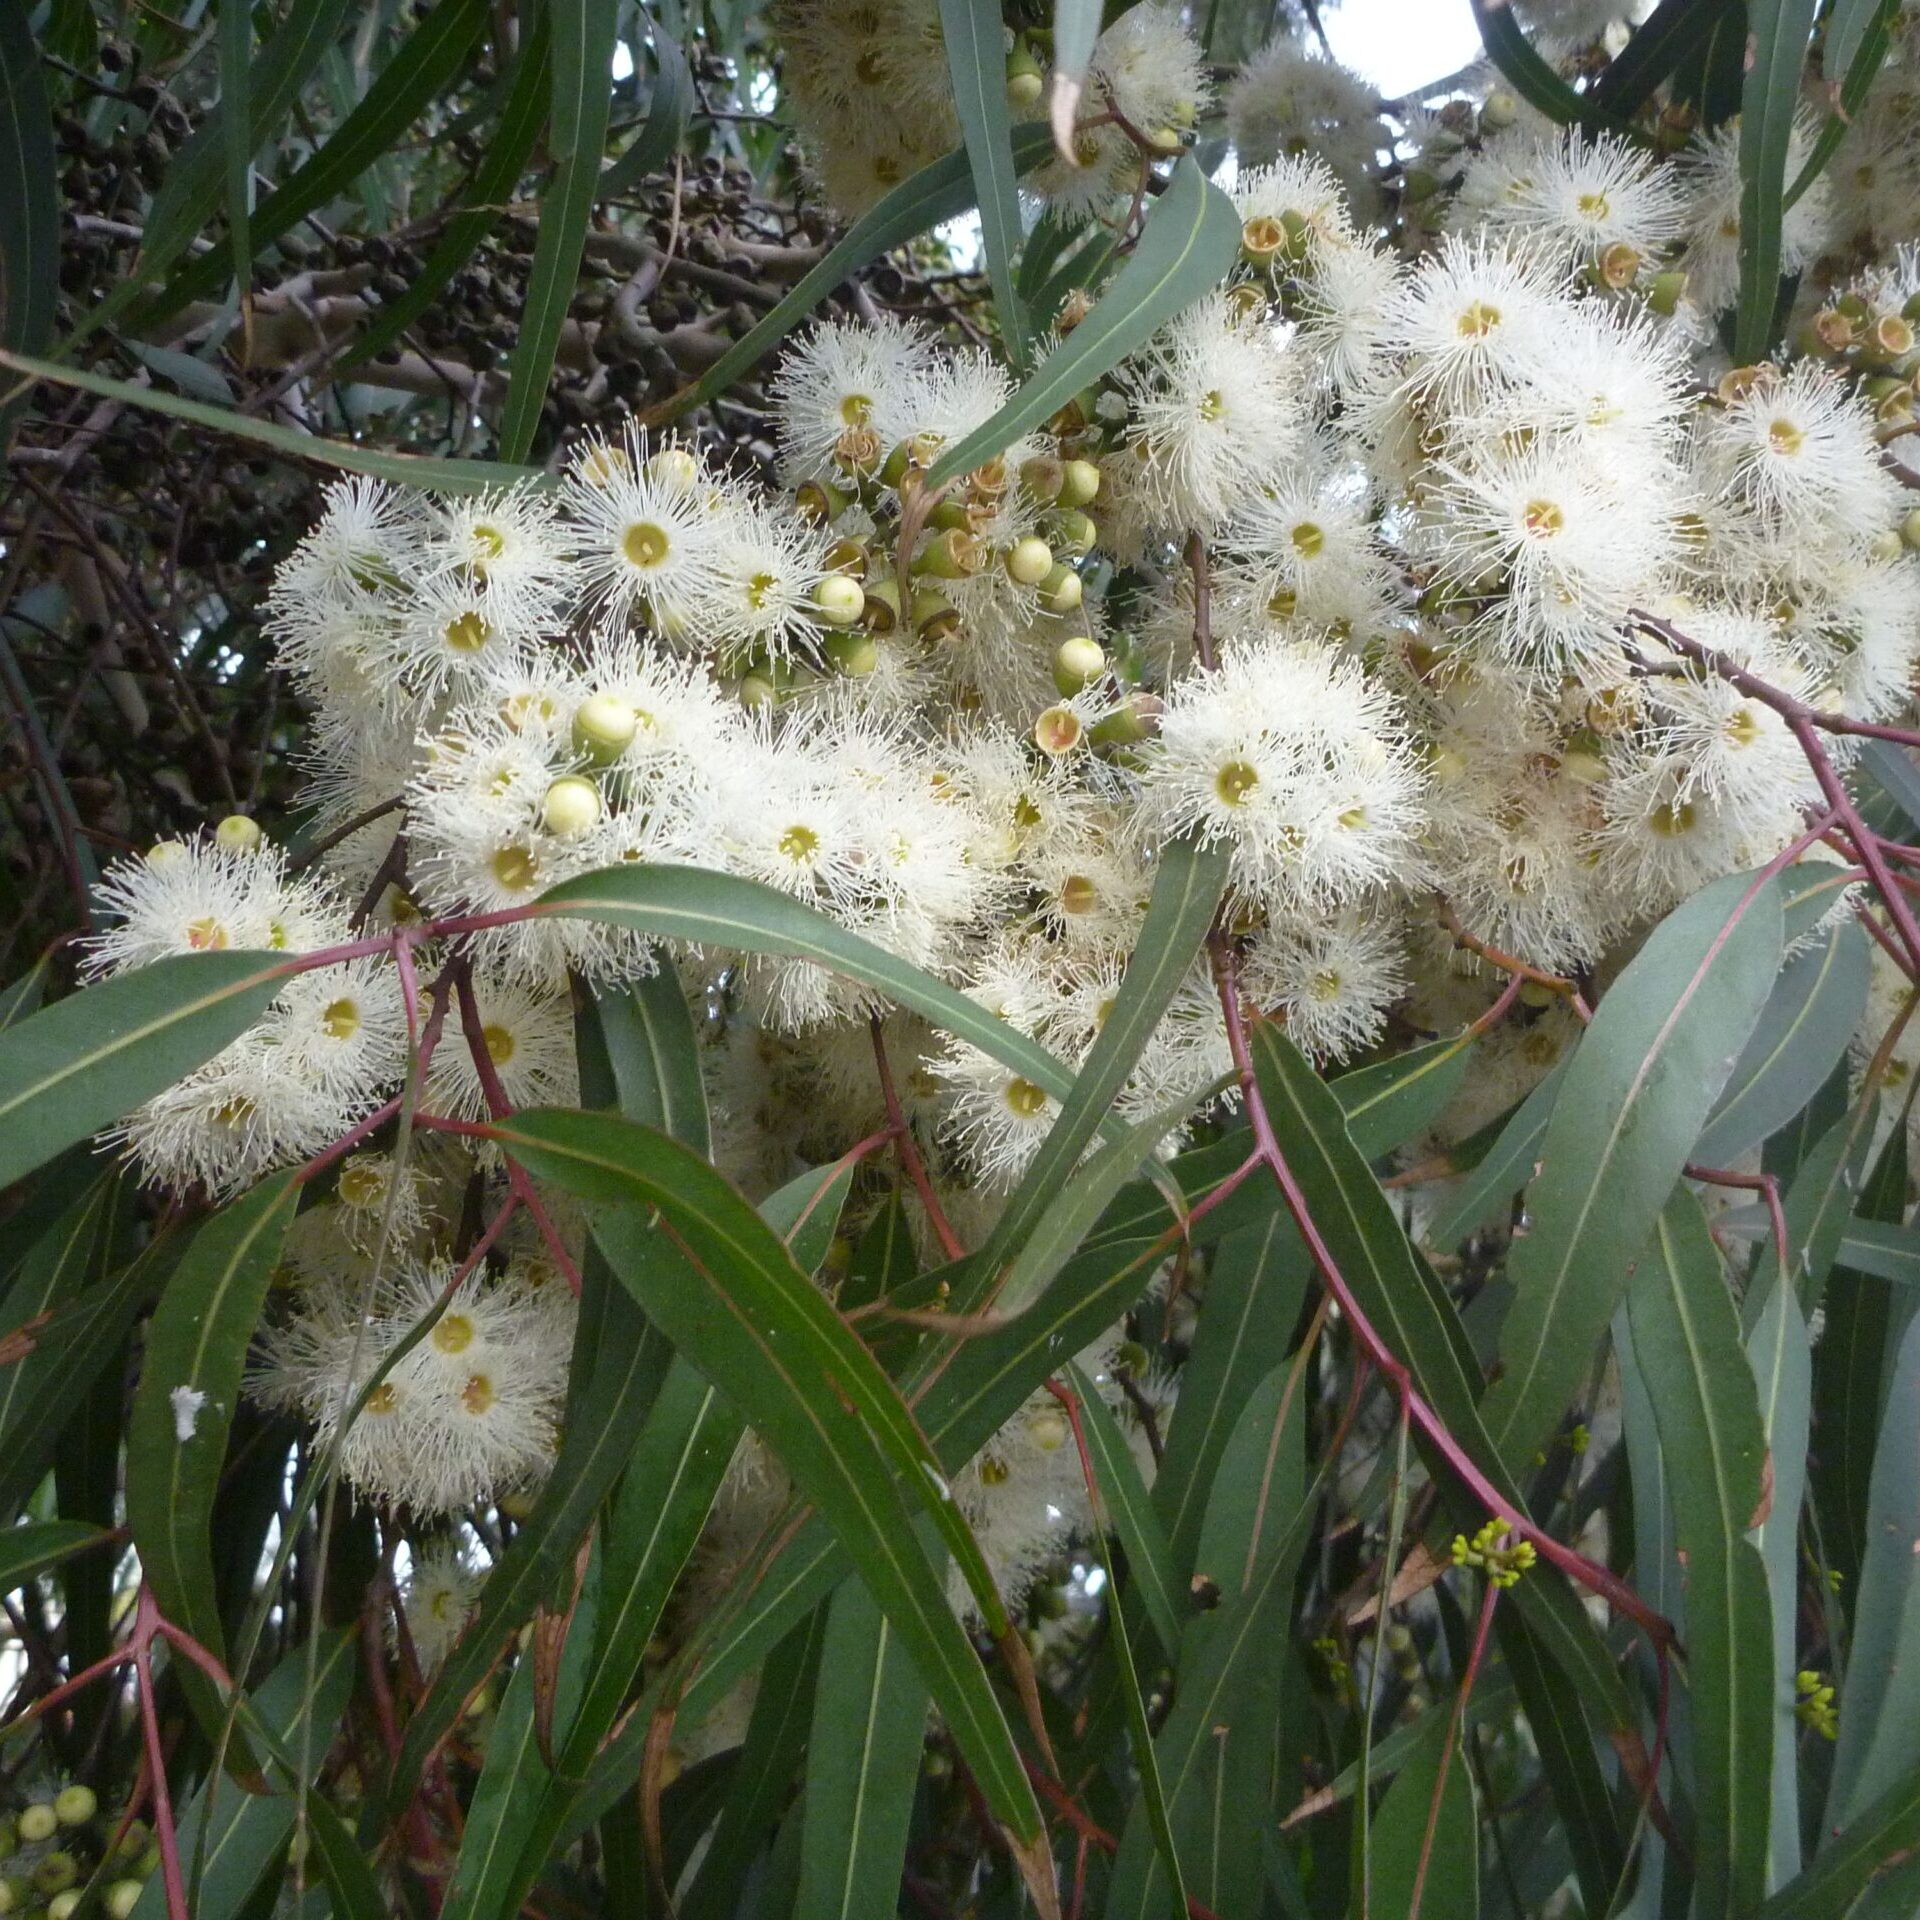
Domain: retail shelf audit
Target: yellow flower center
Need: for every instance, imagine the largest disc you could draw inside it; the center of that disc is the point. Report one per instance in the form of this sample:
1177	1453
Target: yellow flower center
645	545
341	1020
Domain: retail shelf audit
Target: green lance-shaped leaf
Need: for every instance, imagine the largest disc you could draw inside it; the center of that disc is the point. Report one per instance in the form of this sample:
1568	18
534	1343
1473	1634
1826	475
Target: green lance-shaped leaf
522	114
1255	1286
28	1551
653	1054
719	909
1879	1740
234	40
1803	1031
583	39
939	191
668	109
189	1390
430	60
1522	68
1778	1352
1777	34
1124	1494
1186	895
197	175
343	1865
29	196
1859	35
1186	248
1635	1095
1686	1338
1878	1841
403	469
1674	30
975	35
82	1063
1890	1253
245	1833
1399	1831
756	1326
863	1764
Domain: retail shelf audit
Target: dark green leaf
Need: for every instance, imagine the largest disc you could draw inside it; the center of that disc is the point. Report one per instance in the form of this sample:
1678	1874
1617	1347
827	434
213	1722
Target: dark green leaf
863	1764
1802	1033
1189	242
654	1054
29	196
189	1389
404	469
1862	58
1878	1841
235	41
666	122
583	38
1523	69
937	192
975	35
1635	1095
1452	1881
28	1551
1777	34
343	1866
760	1330
1672	31
1686	1338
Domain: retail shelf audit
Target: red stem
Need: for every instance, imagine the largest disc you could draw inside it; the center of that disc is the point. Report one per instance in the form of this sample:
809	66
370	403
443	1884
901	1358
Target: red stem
1481	1633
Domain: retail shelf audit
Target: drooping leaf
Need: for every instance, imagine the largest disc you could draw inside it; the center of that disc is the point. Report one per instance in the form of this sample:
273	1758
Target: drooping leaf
82	1063
1803	1031
1635	1095
1672	31
1777	35
755	1325
1521	67
1507	1166
1686	1338
863	1764
975	34
1878	1841
404	469
1189	242
196	1353
28	1551
666	122
583	41
653	1054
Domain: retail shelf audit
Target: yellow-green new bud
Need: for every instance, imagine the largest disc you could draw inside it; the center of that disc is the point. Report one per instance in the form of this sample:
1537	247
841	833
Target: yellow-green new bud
1029	561
61	1906
1078	661
839	600
604	726
1075	533
1079	484
1060	591
852	653
74	1806
1025	82
571	807
674	466
9	1895
238	833
37	1822
55	1871
122	1897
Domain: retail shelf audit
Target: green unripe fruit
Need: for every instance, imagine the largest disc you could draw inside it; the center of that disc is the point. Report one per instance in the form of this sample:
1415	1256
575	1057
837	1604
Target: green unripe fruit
122	1897
880	612
934	616
604	727
852	653
1078	661
57	1870
571	807
37	1822
74	1806
1043	478
1079	484
951	555
132	1841
1665	294
238	834
1060	591
61	1906
839	601
1137	720
819	503
1419	185
1029	561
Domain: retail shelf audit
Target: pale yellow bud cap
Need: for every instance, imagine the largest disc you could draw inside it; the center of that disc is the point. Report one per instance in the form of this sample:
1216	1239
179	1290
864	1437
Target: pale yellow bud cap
571	807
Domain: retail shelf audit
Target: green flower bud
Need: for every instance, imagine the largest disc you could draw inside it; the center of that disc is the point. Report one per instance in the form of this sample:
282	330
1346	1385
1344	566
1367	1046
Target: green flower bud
56	1870
74	1806
1029	561
1026	83
571	807
122	1897
37	1822
604	726
1079	484
1500	112
1664	295
1078	661
1043	478
1075	533
1419	184
238	834
9	1895
1886	545
852	653
61	1906
839	600
1136	720
756	690
1060	591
